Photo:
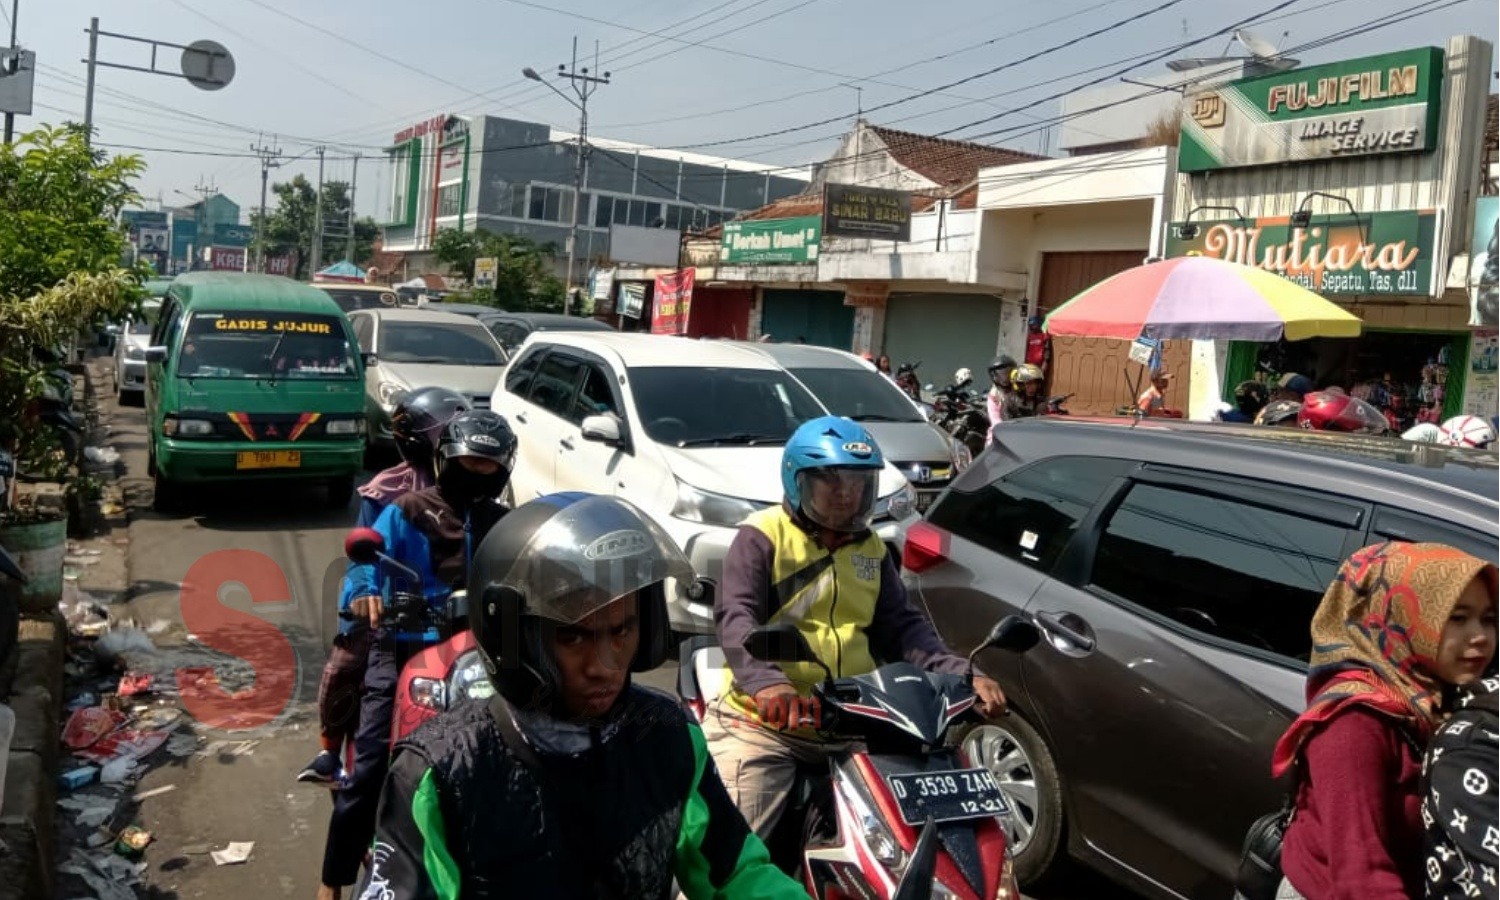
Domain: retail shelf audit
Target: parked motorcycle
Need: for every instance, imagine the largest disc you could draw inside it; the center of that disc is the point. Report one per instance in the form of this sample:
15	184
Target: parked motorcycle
426	685
907	381
961	412
853	831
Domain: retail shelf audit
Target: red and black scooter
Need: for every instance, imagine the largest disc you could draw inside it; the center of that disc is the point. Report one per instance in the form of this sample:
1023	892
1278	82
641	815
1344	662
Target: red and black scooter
899	814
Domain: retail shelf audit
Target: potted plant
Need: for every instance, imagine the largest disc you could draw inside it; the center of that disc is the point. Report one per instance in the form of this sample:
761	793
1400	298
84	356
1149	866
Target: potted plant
60	249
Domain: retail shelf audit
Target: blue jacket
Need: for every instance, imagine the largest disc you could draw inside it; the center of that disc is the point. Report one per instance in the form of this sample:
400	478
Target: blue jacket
439	552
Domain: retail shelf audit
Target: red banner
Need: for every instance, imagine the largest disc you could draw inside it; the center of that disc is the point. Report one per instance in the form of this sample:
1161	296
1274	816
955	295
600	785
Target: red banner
227	259
285	264
673	303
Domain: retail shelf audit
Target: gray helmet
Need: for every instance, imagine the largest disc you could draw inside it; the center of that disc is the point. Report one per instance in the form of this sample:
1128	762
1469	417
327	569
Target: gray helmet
553	562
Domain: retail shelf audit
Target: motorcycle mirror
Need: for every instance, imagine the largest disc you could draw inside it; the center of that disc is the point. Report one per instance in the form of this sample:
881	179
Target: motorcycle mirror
364	545
926	387
921	872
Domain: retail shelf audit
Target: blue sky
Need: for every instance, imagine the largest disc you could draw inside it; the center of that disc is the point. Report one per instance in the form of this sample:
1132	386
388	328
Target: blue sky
351	74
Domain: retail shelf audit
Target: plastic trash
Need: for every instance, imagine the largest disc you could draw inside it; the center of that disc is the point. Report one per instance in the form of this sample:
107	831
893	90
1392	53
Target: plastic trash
117	770
236	852
106	456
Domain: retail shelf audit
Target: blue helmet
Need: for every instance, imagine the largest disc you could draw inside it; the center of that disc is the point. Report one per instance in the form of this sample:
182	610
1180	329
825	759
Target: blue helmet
836	443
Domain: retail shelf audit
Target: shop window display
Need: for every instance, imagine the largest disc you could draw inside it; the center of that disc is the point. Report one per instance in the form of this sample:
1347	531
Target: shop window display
1403	374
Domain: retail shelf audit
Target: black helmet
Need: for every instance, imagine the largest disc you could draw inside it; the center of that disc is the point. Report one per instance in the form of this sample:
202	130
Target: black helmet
1279	412
418	419
477	434
1003	361
1251	397
553	562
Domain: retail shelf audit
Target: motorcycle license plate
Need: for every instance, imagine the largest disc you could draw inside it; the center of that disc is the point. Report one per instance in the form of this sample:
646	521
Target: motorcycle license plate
268	459
948	796
924	500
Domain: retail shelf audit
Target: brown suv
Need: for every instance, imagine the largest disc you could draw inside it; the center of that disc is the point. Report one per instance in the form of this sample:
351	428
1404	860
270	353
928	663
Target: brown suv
1173	570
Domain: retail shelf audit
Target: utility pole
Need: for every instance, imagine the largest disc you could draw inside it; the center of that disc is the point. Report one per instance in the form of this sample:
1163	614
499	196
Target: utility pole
269	159
316	262
88	91
353	182
15	65
584	86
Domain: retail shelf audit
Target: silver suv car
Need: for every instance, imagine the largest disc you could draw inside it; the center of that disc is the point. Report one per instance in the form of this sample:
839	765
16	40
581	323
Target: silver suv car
848	386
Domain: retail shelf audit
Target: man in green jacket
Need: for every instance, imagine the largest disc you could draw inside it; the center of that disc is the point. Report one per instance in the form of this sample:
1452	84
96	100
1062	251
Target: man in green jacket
569	782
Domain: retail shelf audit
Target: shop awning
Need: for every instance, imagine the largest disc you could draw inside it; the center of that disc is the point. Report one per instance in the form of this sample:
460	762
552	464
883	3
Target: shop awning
1200	298
341	271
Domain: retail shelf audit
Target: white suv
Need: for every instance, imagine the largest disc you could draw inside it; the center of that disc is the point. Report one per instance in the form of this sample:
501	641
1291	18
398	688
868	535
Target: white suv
690	431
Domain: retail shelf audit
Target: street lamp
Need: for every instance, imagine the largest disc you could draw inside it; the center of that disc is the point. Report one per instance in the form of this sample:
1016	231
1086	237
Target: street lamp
584	86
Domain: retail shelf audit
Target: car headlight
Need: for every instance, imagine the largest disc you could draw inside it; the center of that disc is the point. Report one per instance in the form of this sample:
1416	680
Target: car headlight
962	458
346	426
709	508
469	680
898	505
388	391
172	426
135	352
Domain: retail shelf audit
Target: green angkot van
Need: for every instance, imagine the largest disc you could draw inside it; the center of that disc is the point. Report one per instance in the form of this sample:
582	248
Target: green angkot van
252	377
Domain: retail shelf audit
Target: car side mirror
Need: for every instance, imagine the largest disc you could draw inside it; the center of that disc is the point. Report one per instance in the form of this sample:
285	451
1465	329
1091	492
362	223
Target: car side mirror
1012	633
363	545
604	429
156	354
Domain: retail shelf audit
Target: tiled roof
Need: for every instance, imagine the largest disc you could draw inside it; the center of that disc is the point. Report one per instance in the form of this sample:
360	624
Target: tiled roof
949	163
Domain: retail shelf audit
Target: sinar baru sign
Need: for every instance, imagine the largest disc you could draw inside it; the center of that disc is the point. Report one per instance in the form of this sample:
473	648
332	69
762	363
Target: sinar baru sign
1386	253
863	212
1361	107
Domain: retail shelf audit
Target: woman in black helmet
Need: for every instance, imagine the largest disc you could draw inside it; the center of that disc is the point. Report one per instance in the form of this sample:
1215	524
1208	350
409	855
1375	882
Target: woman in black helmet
570	782
1250	397
432	531
416	425
1001	401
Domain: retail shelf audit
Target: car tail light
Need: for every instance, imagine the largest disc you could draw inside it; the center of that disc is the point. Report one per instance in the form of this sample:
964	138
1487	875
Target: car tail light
926	546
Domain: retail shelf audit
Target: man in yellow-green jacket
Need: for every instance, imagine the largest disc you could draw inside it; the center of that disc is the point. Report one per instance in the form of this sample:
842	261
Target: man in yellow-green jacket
812	562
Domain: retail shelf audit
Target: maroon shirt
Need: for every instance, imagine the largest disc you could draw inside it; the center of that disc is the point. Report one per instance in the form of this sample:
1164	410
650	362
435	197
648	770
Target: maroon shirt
1357	831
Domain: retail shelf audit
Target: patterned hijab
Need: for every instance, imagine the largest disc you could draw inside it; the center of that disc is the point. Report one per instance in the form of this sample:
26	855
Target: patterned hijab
1376	635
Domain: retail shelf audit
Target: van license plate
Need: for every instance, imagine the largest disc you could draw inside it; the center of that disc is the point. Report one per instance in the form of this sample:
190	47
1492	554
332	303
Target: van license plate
268	459
948	796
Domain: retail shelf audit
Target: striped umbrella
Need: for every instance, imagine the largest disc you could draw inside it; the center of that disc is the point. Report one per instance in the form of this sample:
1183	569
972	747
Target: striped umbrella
1202	298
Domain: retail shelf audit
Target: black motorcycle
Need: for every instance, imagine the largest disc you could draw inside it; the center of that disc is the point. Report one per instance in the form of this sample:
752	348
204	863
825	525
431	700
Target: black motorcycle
907	381
961	412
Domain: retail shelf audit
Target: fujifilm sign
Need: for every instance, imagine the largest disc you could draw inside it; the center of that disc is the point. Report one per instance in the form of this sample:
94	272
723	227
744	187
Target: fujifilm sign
1378	104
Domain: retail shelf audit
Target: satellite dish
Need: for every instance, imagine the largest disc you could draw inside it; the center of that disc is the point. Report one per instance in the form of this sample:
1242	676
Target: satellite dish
207	65
1258	46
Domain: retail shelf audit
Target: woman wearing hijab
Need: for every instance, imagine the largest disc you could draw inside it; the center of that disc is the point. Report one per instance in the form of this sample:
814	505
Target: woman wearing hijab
1399	629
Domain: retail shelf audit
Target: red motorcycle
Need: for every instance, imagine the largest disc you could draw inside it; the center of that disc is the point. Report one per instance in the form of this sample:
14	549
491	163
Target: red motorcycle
899	813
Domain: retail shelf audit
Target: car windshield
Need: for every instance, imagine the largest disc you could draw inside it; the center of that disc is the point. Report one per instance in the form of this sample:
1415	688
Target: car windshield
438	343
261	344
351	299
689	407
863	395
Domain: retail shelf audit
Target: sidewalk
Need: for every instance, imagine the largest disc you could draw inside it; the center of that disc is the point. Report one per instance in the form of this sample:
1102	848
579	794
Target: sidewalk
96	565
